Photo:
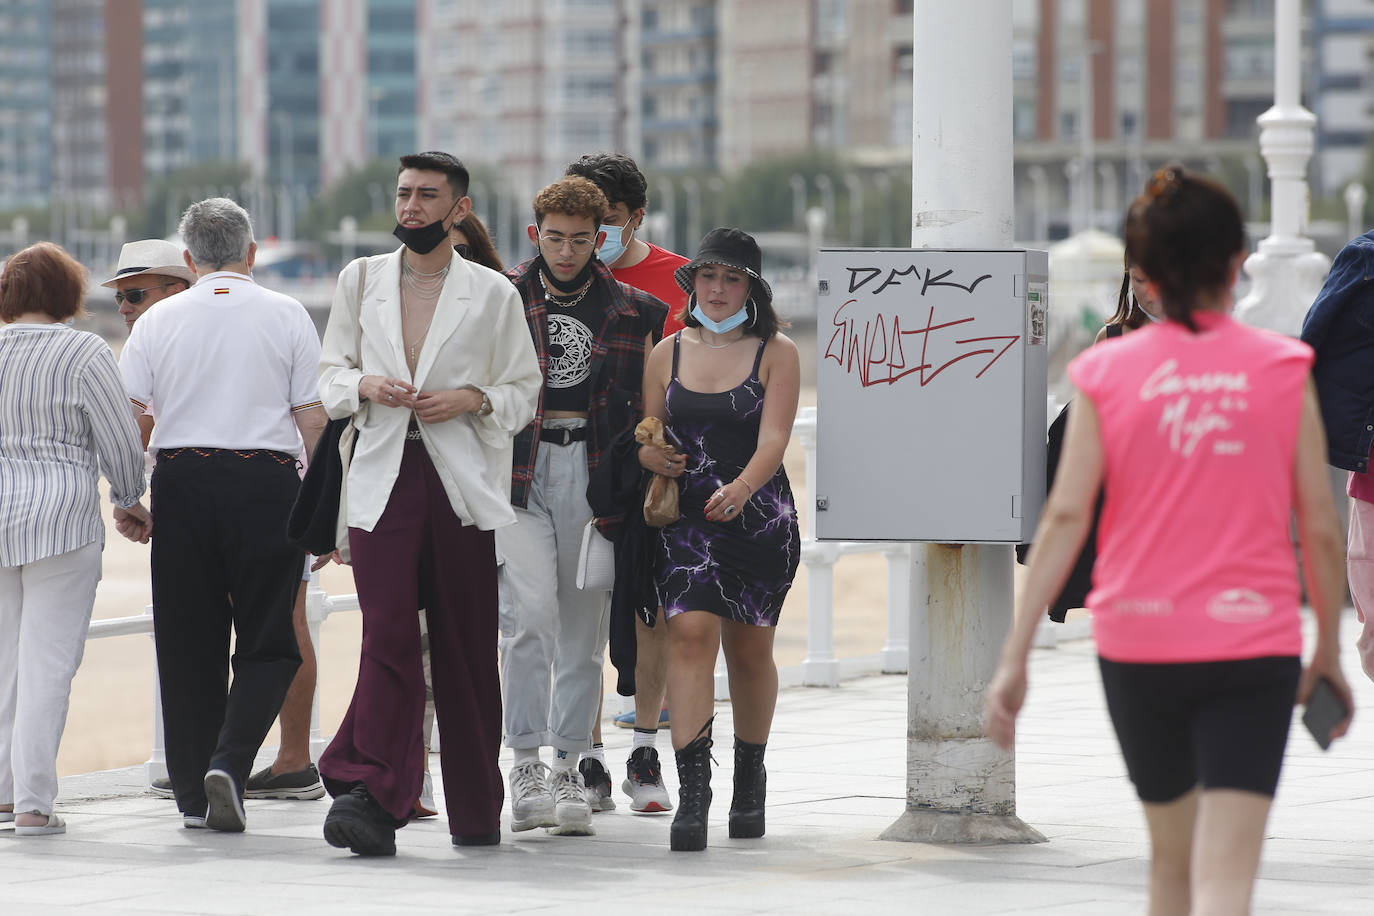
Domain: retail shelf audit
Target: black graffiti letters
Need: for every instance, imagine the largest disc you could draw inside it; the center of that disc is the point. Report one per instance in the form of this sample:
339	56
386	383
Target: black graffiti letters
860	277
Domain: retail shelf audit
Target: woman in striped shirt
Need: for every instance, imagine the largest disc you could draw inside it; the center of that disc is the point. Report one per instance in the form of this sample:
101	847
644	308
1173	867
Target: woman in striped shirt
64	416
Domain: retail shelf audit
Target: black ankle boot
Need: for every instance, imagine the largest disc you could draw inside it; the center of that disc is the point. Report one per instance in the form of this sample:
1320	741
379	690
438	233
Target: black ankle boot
688	832
751	781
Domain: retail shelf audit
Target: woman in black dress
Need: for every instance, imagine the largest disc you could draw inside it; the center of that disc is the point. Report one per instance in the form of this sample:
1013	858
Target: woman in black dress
727	387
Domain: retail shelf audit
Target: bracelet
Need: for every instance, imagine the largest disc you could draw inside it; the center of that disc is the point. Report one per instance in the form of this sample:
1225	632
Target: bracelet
746	483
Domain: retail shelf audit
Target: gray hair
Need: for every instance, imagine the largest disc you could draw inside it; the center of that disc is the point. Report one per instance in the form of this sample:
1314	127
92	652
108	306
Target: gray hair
216	232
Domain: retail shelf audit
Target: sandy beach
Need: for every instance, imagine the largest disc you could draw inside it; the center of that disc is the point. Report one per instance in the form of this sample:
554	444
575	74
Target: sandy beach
110	721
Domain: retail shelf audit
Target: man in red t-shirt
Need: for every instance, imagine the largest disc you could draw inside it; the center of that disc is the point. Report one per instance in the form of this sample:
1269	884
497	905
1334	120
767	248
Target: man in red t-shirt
647	267
634	261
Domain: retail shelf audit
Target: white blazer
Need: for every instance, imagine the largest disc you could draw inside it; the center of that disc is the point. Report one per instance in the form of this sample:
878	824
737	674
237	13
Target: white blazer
478	337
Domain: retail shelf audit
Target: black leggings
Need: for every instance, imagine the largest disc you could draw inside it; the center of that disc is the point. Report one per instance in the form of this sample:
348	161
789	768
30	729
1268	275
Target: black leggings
1219	724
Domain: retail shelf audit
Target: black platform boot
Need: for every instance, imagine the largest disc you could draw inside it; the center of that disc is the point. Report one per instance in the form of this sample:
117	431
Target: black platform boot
751	781
688	832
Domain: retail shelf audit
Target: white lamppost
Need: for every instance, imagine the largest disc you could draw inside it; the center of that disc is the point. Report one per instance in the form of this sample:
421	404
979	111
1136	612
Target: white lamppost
1286	271
1355	197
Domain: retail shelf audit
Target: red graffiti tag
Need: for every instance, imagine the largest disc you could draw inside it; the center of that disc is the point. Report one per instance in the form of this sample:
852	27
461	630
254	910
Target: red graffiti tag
879	356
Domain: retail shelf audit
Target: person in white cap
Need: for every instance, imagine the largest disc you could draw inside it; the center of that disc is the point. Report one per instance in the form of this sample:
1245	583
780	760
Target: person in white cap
149	271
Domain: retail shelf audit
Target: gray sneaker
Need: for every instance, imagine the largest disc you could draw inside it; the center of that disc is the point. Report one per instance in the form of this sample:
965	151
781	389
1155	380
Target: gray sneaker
531	802
570	805
644	783
598	783
161	787
302	785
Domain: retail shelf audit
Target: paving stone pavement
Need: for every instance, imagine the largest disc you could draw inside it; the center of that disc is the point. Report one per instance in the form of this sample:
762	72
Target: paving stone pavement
836	779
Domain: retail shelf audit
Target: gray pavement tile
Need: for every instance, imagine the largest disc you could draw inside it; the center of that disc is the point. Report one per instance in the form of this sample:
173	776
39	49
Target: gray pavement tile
837	761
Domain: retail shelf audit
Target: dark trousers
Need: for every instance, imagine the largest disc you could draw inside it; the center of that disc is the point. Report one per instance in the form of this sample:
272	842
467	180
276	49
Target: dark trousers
220	562
419	555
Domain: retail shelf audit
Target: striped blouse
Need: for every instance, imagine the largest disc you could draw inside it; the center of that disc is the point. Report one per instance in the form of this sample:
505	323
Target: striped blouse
64	416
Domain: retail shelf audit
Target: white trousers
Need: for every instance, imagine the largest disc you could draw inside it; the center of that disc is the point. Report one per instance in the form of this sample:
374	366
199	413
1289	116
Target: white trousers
1359	568
45	610
553	634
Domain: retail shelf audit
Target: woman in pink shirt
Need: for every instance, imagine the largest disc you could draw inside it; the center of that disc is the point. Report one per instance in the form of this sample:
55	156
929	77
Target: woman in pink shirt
1206	436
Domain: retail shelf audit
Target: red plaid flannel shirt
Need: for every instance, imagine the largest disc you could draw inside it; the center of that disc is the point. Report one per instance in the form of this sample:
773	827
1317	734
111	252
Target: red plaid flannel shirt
617	367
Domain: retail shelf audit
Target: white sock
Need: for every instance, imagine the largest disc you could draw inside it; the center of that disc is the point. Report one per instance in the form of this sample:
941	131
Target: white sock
565	760
644	738
597	753
525	755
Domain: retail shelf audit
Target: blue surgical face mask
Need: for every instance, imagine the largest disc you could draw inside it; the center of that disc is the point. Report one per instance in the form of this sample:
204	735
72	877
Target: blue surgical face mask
613	248
721	327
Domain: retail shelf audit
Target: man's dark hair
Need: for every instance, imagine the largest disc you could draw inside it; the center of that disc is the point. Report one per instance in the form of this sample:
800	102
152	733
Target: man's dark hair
433	161
616	175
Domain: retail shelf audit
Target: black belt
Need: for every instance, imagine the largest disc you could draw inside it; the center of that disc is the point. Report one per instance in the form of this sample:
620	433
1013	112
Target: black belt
563	435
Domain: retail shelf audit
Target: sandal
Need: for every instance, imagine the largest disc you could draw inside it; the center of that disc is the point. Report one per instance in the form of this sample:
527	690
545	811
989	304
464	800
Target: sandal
54	825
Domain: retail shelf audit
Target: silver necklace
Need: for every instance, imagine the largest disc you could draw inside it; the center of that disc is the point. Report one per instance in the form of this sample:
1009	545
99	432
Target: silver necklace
425	284
564	303
702	337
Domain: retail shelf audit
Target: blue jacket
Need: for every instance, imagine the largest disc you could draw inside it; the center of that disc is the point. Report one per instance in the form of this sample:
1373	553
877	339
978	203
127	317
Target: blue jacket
1340	328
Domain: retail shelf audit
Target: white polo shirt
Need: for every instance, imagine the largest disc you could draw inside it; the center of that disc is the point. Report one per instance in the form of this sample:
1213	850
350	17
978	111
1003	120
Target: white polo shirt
227	363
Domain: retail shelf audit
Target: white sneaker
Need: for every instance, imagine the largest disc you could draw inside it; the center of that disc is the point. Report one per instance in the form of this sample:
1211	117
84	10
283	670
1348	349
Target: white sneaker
531	802
644	783
570	804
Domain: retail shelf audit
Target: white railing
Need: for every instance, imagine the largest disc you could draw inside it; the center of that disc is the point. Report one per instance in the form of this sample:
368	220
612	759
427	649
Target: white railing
819	668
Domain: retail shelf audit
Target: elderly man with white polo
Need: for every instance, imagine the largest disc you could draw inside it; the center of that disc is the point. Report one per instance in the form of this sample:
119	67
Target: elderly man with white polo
232	368
149	271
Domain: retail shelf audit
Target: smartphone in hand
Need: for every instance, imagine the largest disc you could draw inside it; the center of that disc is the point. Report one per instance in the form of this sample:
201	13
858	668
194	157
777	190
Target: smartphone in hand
1325	710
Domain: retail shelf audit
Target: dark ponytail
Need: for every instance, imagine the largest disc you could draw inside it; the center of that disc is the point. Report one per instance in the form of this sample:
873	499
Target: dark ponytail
1184	231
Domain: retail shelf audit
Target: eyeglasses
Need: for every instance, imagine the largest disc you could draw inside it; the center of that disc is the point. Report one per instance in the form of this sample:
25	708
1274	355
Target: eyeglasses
464	250
553	244
135	296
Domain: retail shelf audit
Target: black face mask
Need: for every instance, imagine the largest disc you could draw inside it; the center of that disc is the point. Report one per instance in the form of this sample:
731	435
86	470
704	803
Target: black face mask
426	238
572	285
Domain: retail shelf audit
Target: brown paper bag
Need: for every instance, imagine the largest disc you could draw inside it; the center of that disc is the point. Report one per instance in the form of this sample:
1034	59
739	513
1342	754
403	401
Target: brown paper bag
661	497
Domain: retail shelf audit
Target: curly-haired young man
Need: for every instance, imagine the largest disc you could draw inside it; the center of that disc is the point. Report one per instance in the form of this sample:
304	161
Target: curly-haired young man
591	334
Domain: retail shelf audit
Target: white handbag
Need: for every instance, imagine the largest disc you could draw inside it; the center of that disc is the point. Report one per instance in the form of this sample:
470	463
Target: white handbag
595	561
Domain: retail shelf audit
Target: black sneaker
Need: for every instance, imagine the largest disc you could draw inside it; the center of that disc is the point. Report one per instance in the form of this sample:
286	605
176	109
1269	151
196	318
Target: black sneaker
302	785
356	822
598	783
644	783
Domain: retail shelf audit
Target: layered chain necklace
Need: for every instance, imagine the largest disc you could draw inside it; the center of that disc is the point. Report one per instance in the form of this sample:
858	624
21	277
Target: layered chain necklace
425	286
564	303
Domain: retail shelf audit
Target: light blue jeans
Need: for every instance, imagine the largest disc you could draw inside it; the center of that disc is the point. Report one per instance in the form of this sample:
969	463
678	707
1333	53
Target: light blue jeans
553	634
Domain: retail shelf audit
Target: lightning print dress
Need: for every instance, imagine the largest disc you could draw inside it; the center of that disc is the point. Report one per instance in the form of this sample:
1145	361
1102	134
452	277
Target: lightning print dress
740	569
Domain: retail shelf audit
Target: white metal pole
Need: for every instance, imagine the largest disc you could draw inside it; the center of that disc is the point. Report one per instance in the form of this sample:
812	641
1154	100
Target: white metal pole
1287	271
960	787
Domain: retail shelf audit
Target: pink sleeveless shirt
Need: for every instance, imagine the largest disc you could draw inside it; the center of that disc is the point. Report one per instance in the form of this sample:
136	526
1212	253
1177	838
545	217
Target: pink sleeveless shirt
1199	434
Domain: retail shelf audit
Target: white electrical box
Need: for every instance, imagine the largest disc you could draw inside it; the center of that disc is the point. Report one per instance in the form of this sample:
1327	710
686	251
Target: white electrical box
930	394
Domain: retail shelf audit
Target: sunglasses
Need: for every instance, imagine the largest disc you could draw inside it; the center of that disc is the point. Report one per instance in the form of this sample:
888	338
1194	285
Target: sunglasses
135	296
464	250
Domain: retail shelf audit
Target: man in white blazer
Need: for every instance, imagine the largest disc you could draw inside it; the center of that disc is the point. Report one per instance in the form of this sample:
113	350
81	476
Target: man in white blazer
429	353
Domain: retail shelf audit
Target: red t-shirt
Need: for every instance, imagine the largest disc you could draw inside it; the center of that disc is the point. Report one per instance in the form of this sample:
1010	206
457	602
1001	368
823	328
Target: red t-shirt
654	275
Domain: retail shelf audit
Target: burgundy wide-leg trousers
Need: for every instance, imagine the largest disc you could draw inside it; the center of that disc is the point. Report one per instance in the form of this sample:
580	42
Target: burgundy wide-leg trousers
419	555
